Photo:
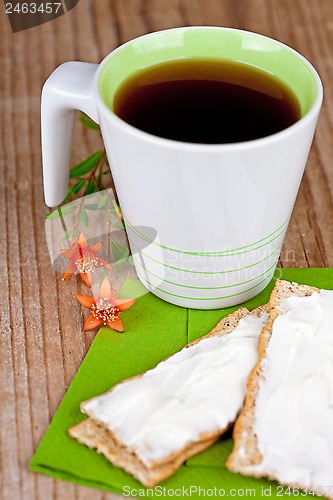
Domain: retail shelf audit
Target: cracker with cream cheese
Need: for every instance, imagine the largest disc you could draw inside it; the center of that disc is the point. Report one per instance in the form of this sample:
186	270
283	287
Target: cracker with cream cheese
150	424
285	430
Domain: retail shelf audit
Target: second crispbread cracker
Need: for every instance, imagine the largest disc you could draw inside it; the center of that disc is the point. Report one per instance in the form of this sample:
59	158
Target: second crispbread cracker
151	438
286	407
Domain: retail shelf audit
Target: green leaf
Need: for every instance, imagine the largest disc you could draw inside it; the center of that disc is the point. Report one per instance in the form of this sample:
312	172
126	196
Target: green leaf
79	185
91	206
103	202
87	165
67	209
68	234
84	216
122	260
91	187
123	257
87	122
105	273
117	250
68	195
99	178
125	254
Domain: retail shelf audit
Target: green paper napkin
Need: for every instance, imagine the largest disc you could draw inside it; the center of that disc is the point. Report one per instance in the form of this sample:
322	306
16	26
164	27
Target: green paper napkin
154	330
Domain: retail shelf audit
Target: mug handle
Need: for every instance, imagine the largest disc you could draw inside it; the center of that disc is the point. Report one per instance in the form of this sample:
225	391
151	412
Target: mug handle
69	88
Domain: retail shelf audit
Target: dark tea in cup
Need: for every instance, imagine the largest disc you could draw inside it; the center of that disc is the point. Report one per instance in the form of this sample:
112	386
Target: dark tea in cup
206	101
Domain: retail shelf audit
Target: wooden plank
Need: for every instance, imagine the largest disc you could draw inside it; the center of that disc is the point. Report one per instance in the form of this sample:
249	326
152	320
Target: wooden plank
162	15
131	19
17	434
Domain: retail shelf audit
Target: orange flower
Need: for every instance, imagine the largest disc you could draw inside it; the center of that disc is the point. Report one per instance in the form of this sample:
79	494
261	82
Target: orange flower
83	259
106	308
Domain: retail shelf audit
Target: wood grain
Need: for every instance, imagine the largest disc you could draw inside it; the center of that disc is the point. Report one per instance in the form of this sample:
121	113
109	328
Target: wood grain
42	343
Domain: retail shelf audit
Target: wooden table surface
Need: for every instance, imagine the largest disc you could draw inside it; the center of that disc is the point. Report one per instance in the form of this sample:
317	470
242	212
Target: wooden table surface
42	343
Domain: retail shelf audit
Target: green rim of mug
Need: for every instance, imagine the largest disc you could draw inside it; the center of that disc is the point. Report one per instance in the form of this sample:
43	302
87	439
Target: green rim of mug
210	43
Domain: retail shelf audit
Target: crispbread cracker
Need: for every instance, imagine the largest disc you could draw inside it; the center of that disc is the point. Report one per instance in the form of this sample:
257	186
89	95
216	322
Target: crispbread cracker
246	454
94	434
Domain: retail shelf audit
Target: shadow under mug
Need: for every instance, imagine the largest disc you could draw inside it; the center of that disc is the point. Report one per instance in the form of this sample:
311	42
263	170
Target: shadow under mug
205	222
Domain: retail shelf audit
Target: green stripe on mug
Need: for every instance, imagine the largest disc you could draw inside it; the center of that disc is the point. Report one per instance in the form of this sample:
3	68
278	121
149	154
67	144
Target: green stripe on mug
227	253
202	287
205	298
277	249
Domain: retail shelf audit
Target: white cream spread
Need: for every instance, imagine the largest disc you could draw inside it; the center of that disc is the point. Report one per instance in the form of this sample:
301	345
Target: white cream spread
198	390
294	409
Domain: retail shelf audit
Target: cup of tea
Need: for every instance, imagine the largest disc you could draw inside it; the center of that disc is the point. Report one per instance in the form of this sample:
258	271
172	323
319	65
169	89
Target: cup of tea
207	131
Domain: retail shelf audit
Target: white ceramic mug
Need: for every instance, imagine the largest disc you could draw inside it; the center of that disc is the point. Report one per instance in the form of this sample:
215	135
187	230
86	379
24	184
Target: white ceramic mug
205	222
